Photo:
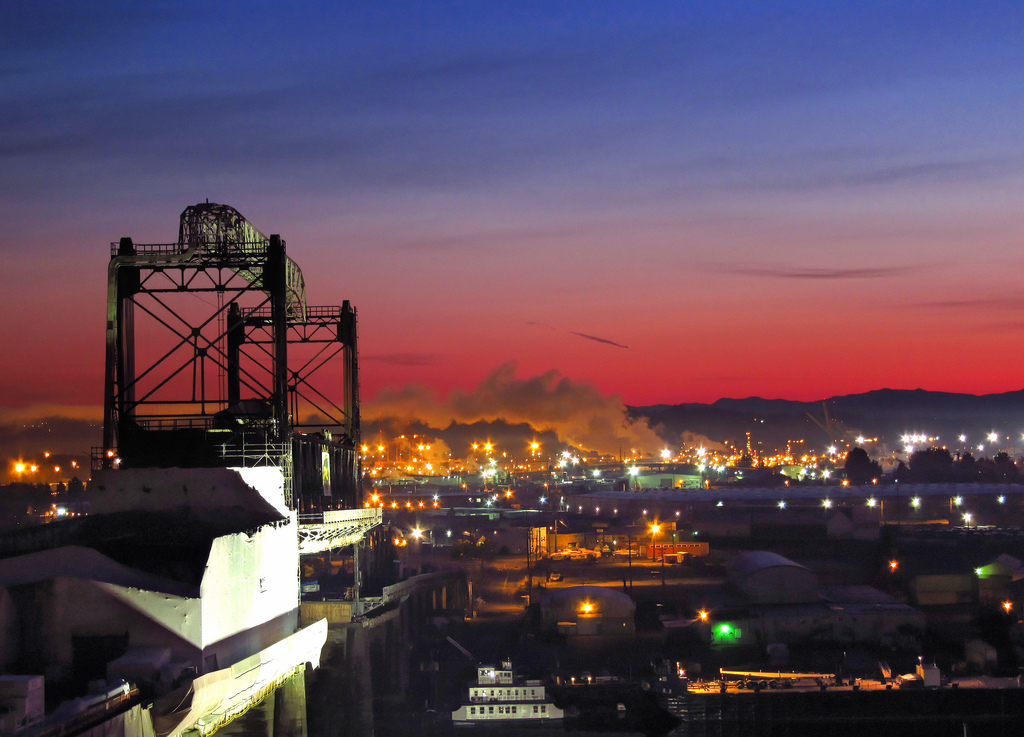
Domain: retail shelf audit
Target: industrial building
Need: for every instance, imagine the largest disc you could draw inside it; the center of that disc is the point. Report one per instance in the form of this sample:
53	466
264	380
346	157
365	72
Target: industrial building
781	601
588	610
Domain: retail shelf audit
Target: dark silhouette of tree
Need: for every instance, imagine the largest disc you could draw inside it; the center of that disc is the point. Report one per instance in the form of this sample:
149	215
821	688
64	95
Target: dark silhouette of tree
931	466
1005	468
965	468
859	468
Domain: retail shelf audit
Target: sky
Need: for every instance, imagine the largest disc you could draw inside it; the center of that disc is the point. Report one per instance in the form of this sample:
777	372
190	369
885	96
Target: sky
661	202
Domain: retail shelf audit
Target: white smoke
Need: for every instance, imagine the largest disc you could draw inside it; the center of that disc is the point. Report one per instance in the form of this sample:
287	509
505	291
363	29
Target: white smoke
576	412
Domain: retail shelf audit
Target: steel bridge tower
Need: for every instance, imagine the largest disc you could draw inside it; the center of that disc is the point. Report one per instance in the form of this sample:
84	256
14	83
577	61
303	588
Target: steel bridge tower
214	358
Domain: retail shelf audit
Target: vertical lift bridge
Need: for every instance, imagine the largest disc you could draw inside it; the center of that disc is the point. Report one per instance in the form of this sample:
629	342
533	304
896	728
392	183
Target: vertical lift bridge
214	358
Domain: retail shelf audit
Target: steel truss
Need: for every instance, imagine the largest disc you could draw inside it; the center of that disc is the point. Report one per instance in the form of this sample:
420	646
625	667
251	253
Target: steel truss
232	360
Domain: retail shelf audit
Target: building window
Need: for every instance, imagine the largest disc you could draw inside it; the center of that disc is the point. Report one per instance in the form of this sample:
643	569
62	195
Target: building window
472	710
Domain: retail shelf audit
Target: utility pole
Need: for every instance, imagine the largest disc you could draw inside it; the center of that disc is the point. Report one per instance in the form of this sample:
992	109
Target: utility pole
629	543
529	572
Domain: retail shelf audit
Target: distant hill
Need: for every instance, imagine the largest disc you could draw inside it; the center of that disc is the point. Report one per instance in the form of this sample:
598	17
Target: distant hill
886	414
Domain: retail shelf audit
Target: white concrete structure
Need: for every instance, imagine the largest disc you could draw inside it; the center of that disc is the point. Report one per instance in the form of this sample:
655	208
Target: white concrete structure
246	600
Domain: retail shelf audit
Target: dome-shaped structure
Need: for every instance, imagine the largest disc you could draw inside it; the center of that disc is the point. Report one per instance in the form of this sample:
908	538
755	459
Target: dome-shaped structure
769	578
588	610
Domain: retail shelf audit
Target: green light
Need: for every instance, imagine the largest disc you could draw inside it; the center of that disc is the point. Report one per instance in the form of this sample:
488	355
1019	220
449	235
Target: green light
977	571
725	629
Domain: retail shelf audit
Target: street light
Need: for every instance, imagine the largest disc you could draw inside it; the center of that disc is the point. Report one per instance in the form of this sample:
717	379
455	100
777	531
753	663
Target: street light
655	528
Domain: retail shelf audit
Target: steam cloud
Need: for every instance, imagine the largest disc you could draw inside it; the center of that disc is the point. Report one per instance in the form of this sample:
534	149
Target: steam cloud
574	411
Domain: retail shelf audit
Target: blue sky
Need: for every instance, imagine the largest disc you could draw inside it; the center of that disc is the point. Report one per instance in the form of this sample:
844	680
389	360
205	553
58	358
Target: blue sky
782	199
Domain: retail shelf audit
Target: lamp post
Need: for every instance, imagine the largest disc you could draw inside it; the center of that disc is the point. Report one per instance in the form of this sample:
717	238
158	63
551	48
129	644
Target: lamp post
655	528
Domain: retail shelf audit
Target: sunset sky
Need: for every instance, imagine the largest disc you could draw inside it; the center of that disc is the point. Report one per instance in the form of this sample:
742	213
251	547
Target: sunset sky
668	202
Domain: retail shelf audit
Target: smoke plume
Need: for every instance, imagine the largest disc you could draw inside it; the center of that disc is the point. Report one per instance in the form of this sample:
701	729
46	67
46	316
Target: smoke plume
576	412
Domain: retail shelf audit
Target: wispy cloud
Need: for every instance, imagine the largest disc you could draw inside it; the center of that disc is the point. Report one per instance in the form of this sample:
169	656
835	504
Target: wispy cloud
487	238
578	335
815	273
988	303
595	338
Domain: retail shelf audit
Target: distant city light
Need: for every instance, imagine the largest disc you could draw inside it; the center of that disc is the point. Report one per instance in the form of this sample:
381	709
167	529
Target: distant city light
915	502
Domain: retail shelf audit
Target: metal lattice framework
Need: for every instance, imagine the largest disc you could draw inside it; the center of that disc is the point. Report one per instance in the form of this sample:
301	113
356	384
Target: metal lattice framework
336	529
230	360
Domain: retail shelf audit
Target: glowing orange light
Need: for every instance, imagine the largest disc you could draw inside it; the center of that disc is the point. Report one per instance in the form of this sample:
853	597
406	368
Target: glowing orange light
893	565
703	614
1007	606
19	467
